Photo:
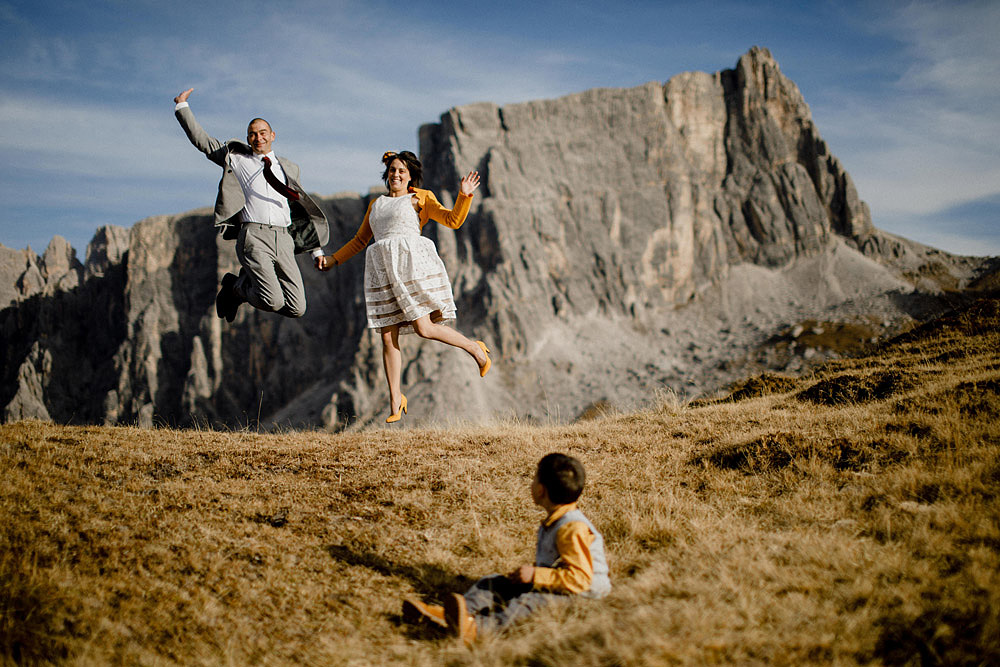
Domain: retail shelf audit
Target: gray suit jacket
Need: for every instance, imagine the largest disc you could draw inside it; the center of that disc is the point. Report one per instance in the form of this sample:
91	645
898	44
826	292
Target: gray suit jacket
309	227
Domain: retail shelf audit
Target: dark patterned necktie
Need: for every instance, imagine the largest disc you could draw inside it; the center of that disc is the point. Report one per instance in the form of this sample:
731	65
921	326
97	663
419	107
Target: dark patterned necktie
275	183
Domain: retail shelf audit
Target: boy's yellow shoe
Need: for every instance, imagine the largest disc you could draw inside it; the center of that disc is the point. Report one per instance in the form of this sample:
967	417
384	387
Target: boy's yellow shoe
415	611
458	619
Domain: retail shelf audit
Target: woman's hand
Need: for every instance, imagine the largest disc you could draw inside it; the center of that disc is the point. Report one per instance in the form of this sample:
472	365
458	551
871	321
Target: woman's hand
325	262
470	183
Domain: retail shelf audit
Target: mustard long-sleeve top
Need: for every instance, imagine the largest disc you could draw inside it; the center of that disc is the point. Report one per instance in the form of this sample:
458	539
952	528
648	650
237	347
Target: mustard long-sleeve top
430	209
574	571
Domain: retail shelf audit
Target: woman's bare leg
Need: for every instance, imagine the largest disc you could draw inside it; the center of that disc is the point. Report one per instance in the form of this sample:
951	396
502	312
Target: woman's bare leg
392	363
439	332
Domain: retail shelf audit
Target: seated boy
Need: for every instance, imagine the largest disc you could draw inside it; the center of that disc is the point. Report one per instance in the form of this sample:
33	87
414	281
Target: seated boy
569	559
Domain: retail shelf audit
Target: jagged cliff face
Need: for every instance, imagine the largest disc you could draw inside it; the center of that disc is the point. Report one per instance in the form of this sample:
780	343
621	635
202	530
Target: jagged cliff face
623	241
636	200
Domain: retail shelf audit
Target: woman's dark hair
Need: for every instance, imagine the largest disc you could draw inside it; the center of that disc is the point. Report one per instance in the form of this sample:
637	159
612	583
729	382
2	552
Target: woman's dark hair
411	162
562	476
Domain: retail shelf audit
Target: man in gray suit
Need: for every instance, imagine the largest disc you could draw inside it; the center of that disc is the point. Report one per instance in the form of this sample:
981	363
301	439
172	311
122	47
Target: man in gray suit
261	205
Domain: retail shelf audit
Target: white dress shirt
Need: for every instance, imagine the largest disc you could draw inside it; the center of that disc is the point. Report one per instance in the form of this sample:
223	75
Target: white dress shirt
264	204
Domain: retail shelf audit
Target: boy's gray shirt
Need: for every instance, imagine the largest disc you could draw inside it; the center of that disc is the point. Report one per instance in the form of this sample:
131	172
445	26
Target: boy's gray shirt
547	555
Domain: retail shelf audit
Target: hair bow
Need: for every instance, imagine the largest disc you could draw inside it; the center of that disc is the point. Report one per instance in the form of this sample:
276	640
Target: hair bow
388	154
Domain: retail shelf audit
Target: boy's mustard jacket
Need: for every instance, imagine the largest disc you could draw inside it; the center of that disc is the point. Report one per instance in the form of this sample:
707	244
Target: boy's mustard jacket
430	209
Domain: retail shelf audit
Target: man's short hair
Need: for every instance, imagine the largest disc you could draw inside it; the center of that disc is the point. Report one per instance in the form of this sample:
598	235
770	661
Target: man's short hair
250	124
562	476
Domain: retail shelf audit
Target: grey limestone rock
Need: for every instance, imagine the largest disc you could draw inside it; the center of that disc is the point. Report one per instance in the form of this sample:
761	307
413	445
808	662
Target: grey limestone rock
60	266
13	265
32	280
29	398
107	248
24	274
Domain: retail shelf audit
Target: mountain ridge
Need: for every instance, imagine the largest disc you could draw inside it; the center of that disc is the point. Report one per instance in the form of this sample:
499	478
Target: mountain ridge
625	241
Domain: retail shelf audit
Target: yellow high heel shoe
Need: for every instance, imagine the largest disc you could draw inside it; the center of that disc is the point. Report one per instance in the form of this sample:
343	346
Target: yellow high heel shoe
399	413
486	367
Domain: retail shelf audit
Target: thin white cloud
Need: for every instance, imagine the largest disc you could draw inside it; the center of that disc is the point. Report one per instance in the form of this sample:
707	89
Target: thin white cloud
929	142
955	49
913	160
346	95
89	140
51	59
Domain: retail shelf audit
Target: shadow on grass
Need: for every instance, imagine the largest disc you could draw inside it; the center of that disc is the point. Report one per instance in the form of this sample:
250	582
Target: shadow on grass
39	620
426	578
938	637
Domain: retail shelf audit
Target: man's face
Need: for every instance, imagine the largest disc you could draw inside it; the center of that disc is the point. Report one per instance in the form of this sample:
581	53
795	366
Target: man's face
260	136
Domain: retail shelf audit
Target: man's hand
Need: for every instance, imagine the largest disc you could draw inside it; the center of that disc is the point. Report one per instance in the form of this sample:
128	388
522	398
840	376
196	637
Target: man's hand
524	574
183	97
325	262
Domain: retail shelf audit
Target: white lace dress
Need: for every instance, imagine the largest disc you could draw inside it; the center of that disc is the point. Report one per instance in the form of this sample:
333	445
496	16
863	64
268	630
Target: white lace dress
404	277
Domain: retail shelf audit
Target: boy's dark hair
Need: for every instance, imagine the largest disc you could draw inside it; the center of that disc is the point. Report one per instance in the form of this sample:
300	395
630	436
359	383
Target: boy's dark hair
562	476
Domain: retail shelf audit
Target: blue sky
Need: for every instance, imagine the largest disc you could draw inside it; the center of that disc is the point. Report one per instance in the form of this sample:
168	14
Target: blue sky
906	94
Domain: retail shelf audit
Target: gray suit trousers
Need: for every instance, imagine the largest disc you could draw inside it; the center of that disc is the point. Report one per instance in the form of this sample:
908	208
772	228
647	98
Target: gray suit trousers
272	281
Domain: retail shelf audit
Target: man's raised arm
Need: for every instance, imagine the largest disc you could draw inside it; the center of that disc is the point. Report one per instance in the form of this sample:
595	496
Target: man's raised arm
210	146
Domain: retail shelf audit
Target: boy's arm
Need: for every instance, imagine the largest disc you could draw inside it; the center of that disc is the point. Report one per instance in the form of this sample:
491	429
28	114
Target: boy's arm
575	569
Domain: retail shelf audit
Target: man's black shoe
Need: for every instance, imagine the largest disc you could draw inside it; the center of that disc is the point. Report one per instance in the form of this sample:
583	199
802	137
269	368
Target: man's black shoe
227	302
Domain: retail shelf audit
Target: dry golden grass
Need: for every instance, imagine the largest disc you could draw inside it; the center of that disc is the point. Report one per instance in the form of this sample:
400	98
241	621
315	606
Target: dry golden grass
849	517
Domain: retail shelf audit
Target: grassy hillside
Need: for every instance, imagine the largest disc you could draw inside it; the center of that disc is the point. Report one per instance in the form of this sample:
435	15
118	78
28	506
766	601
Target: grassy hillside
849	517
